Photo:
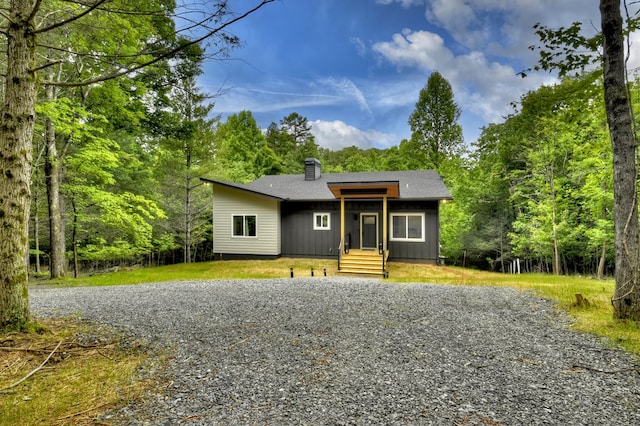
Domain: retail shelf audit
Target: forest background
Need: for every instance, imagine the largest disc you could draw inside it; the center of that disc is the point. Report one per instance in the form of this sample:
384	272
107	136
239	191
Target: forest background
117	164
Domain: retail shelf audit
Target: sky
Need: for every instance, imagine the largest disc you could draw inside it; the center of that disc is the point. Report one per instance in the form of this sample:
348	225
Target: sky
355	68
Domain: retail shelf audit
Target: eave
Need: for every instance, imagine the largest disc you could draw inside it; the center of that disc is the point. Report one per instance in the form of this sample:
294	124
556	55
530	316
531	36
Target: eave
358	190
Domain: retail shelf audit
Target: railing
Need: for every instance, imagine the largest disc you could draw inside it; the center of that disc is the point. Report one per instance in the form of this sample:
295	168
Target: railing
339	253
384	254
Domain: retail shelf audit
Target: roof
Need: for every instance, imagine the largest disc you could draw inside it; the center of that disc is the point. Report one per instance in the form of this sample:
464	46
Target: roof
412	184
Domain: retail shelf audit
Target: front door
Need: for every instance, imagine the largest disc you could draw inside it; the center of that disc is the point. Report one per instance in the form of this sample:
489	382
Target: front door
368	231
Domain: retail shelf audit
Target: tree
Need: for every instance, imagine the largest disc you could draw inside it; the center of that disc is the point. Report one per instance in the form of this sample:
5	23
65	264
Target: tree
23	22
243	150
626	297
436	133
567	50
185	153
292	142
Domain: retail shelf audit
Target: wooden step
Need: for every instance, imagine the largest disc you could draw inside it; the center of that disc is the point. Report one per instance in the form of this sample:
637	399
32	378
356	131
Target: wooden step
361	271
367	262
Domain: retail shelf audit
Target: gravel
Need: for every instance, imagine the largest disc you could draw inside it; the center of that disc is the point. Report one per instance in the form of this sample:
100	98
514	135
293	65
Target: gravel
359	351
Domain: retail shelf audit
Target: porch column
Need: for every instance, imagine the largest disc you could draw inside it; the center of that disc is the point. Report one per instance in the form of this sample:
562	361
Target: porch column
384	224
342	222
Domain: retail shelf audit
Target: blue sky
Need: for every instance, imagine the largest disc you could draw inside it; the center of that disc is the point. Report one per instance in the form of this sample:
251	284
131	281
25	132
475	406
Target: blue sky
355	68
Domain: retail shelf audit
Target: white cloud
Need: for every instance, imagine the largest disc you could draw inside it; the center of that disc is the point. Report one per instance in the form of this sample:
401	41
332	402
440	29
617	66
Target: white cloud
337	134
634	59
458	18
404	3
361	48
292	95
504	28
346	90
480	86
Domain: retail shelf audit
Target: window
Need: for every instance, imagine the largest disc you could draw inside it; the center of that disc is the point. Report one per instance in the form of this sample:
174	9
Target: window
244	225
322	221
407	227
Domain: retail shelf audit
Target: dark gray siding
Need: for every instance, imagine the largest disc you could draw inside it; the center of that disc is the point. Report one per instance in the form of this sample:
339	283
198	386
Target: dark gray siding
298	236
427	251
299	239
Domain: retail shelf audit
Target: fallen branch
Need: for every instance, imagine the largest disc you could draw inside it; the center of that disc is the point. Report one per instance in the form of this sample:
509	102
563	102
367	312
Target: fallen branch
239	343
88	410
35	370
70	348
106	356
11	349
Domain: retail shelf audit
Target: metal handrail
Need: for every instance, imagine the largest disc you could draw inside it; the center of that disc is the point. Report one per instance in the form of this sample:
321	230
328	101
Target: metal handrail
339	253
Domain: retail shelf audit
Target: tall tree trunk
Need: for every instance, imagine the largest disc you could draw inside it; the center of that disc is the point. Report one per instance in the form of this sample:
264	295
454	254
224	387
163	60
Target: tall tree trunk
603	253
626	297
16	133
187	211
555	263
602	262
36	230
52	178
74	236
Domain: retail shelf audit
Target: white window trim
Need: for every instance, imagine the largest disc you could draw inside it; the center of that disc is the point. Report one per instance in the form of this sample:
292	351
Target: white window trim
243	223
322	228
412	240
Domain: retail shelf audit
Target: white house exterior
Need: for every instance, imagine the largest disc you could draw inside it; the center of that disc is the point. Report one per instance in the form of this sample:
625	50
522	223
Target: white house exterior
229	207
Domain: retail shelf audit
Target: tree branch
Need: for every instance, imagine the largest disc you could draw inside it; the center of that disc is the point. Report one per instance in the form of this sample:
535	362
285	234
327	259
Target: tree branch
167	55
36	8
69	20
33	371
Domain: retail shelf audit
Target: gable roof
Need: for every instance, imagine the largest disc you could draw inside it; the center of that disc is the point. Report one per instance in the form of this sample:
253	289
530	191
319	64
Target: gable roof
412	185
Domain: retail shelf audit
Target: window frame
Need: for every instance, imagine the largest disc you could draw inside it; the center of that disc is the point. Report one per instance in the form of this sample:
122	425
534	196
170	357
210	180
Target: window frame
321	228
244	225
406	215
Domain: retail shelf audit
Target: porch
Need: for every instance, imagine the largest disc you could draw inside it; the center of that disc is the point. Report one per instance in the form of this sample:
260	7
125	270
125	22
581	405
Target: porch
373	254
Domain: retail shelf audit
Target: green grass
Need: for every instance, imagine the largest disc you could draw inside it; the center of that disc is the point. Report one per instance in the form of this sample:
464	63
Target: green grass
226	269
597	318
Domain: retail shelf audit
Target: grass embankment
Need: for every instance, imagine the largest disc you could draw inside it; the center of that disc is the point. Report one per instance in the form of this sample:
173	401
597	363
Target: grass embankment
66	373
80	382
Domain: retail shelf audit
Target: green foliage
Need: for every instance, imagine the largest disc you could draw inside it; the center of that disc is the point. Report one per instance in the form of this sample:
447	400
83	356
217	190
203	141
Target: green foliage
292	143
540	187
436	135
239	143
537	186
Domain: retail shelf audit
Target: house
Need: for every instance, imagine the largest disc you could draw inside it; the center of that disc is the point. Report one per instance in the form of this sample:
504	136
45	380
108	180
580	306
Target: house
379	216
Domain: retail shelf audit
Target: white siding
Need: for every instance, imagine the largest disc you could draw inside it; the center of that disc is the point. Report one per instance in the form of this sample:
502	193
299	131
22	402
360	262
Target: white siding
228	202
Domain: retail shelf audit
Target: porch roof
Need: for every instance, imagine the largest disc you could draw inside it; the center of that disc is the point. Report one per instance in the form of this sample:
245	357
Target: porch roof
364	189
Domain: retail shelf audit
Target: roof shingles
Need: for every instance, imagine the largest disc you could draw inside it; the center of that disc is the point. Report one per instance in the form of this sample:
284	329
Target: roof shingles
413	185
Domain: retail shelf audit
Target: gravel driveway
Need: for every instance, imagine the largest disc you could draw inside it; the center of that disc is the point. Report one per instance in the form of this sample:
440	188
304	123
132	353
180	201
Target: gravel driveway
353	351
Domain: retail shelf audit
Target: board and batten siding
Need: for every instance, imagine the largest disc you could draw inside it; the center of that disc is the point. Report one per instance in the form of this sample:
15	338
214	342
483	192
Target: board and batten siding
228	202
418	251
300	239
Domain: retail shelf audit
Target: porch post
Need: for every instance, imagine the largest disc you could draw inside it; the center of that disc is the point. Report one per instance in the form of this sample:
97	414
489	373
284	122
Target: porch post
342	222
384	224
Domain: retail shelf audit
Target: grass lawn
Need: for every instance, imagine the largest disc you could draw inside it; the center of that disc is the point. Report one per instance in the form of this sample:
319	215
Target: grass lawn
79	381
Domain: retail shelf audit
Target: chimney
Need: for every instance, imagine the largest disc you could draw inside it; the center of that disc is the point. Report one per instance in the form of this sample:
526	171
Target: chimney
311	169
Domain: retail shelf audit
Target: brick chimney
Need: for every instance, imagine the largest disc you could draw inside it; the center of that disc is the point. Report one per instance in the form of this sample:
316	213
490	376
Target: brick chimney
311	169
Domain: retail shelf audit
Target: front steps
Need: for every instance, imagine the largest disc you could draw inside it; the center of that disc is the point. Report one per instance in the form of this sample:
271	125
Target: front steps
364	262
